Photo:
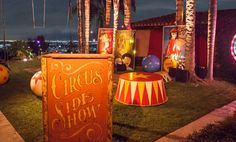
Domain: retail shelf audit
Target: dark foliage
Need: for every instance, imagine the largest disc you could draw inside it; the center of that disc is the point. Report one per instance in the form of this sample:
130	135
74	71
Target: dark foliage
222	132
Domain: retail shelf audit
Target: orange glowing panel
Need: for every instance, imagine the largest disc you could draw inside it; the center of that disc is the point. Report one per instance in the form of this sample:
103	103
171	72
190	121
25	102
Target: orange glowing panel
105	40
77	94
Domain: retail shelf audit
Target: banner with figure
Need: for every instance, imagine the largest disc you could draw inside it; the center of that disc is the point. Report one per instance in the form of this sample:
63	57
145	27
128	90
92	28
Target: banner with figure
125	52
173	53
105	40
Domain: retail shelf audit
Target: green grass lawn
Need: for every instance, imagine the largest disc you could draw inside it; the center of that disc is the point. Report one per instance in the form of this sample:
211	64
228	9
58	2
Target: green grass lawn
186	102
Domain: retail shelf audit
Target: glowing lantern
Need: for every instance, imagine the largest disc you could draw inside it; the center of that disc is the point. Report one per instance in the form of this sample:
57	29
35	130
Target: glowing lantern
233	47
169	63
4	74
36	83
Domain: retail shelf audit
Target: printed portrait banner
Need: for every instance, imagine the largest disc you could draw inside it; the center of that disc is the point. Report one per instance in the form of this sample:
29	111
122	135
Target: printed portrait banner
105	40
173	47
125	54
77	97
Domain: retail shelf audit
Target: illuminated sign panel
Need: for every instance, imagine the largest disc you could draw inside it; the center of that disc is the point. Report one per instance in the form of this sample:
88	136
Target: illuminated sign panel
77	97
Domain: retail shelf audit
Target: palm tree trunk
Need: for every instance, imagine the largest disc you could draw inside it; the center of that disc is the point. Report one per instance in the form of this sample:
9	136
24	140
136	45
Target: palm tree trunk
116	16
212	19
179	12
190	38
108	13
87	25
127	13
80	26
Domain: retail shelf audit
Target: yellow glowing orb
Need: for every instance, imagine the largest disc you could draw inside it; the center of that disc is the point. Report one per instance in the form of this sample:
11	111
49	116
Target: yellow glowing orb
36	83
169	63
4	74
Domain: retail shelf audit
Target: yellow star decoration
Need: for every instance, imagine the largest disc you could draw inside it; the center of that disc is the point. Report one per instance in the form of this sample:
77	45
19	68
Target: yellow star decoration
140	75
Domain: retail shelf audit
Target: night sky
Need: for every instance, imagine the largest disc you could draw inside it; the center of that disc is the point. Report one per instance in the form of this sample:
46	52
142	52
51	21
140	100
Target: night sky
19	25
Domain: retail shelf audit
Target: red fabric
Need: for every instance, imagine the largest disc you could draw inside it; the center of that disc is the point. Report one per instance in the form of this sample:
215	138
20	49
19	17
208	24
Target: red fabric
164	90
122	95
155	43
128	96
136	97
171	49
145	97
117	92
201	49
160	99
154	98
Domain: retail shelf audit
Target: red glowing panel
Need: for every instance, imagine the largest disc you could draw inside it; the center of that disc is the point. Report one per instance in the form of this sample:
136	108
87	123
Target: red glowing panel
233	47
105	40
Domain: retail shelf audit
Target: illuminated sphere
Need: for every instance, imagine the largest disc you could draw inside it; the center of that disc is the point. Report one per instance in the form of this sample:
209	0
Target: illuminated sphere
36	83
169	63
4	74
151	64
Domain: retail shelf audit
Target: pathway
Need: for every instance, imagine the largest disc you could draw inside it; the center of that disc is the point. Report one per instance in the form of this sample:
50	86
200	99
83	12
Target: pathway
215	116
7	132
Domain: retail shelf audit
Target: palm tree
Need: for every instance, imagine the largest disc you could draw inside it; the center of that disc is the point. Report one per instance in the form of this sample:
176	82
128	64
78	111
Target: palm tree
179	12
108	13
212	18
127	13
190	38
87	25
116	16
97	8
80	25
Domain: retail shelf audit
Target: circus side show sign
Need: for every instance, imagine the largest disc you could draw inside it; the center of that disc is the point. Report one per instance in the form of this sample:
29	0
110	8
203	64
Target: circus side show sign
77	97
173	51
124	50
